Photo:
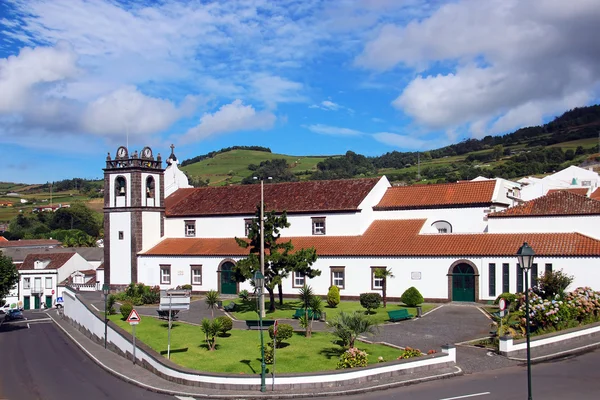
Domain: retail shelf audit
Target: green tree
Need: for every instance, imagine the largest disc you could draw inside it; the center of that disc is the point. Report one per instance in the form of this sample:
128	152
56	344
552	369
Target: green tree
497	152
384	274
553	284
280	258
212	299
211	329
349	326
9	276
77	216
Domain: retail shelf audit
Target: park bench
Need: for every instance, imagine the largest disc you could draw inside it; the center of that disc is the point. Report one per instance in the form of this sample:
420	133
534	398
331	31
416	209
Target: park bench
230	307
164	314
300	313
255	323
399	315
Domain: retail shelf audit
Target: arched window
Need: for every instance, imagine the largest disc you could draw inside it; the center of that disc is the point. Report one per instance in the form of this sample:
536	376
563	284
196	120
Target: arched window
149	187
120	186
442	226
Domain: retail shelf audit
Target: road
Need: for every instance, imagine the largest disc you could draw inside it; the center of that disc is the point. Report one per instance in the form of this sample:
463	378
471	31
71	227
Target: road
40	362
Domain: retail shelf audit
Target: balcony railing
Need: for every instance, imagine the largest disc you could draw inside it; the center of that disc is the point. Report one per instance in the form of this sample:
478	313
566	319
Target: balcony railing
37	290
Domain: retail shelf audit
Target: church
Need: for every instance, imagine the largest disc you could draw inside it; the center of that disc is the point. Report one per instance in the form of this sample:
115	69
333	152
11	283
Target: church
453	242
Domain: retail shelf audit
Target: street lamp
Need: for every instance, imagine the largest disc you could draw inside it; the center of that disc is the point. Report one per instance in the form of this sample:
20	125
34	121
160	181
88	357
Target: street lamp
262	240
259	281
525	256
105	291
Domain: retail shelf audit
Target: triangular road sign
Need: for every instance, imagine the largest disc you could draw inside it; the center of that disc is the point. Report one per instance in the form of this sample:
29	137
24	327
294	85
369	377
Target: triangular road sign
134	317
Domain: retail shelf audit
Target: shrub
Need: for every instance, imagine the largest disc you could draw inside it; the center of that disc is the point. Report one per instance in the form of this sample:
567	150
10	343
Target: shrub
226	324
511	298
269	354
186	287
244	295
553	284
126	310
284	332
409	352
353	358
412	297
110	304
333	296
370	301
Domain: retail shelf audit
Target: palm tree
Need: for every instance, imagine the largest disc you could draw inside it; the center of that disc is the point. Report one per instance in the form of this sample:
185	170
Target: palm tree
316	305
306	294
383	274
349	326
211	328
212	299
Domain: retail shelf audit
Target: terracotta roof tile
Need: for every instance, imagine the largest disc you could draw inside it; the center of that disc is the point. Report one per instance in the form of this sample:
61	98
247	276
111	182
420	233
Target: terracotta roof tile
595	195
3	239
580	191
399	238
309	196
29	243
561	202
57	260
438	196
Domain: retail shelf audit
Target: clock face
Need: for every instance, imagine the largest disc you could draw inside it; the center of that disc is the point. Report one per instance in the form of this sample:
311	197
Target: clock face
121	152
147	153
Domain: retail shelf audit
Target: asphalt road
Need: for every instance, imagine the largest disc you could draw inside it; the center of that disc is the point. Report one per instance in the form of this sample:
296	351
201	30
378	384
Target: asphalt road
40	362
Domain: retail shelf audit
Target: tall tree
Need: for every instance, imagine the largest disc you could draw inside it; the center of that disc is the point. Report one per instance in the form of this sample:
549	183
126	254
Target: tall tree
9	276
280	257
383	274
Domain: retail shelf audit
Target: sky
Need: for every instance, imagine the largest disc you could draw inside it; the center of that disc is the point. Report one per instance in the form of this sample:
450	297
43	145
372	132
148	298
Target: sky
80	78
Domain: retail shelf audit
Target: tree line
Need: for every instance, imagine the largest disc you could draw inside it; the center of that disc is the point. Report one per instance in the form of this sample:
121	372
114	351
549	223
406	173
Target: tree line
223	150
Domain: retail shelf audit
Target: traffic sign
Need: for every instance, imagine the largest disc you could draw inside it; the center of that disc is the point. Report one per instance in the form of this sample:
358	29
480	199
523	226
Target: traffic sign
134	317
502	304
275	328
53	292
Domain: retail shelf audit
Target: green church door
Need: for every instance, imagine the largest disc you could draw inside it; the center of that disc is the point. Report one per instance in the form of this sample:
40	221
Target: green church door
26	303
36	302
228	284
463	283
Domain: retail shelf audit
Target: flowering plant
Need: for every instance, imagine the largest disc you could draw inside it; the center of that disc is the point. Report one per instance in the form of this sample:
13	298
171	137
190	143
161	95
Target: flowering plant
409	352
352	358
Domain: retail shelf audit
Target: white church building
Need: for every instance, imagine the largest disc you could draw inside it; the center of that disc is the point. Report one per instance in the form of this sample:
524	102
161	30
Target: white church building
453	242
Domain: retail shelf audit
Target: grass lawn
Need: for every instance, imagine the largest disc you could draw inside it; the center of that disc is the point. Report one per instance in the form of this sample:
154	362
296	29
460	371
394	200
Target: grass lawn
239	353
247	309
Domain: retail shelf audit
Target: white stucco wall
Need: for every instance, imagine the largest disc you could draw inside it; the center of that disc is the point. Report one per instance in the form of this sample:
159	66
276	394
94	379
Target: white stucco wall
150	229
585	224
120	250
463	220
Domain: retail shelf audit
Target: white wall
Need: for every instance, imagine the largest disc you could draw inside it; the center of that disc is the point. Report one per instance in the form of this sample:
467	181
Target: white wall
150	229
585	224
463	220
120	250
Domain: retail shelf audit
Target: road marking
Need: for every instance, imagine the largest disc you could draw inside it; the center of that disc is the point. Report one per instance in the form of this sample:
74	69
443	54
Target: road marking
28	327
184	398
96	308
467	396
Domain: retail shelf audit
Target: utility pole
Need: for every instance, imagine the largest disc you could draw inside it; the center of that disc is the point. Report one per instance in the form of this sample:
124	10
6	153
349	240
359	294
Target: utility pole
262	244
419	165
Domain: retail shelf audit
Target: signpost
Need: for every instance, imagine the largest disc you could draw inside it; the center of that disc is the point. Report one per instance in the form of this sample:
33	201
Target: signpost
133	319
173	300
274	347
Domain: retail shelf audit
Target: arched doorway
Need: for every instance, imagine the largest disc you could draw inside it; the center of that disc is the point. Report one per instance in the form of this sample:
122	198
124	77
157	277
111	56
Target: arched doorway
228	284
463	276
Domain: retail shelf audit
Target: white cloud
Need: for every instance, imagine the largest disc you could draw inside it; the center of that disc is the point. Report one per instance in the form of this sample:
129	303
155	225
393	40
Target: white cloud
404	141
329	105
333	130
230	118
272	89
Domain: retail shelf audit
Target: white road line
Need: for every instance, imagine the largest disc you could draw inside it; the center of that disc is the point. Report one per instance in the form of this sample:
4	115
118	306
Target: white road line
28	327
467	396
96	308
184	398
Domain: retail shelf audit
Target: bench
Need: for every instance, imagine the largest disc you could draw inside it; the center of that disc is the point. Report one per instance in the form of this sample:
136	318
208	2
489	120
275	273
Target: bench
255	323
399	315
164	314
230	307
301	313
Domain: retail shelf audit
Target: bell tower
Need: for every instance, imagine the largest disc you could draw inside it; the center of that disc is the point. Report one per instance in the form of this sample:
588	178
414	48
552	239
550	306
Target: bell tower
133	212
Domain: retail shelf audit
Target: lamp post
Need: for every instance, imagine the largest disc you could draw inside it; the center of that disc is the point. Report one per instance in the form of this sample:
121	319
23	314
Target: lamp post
525	256
262	242
259	280
105	291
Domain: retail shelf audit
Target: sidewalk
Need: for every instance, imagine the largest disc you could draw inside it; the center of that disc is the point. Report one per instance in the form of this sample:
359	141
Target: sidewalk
124	369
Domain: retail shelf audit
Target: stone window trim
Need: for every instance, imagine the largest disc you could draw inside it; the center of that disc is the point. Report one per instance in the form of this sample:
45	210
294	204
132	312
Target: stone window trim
318	226
167	277
373	279
195	267
190	228
298	275
333	270
26	283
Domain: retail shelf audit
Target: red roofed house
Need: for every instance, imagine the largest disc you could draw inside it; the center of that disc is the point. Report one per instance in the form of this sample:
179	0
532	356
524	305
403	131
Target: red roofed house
450	241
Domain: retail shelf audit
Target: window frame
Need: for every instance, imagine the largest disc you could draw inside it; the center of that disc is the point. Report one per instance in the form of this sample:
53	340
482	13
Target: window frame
121	235
373	278
195	267
161	275
534	275
189	223
548	267
247	225
492	279
295	275
28	280
332	278
318	220
520	272
48	279
505	278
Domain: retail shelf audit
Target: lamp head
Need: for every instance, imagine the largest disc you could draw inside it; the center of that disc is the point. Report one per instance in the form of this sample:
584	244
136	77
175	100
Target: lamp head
259	280
525	256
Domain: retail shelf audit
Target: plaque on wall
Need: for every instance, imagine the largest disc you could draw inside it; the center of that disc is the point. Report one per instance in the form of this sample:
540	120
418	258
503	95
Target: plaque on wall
415	276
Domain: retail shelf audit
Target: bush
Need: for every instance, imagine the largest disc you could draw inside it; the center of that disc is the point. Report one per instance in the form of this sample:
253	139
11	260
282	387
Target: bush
510	297
284	332
126	310
110	304
553	284
370	301
353	358
226	324
244	295
412	297
409	352
333	296
269	354
186	287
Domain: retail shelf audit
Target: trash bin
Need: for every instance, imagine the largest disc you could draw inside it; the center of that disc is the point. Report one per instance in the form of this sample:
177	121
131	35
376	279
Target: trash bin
419	311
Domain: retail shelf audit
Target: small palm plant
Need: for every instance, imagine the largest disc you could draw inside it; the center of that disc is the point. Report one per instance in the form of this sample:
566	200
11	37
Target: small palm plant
212	299
349	326
384	274
306	294
211	328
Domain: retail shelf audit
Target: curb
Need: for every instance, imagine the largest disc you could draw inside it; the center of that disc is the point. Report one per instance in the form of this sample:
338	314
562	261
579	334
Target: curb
458	372
560	354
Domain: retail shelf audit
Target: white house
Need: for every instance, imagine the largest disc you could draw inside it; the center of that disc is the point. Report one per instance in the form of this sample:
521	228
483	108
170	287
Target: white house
569	178
450	241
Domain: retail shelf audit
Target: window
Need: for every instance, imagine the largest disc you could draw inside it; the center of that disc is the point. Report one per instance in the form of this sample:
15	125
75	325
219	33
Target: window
442	230
48	283
299	279
338	277
442	226
120	186
26	283
121	235
492	279
149	187
519	279
318	226
548	268
37	284
247	225
165	274
190	228
196	274
534	275
505	278
376	283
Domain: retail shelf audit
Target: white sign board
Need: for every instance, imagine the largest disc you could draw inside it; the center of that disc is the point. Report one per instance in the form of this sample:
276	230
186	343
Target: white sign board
174	300
415	276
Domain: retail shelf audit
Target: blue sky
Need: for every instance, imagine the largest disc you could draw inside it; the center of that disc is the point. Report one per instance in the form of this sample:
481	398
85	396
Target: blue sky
303	77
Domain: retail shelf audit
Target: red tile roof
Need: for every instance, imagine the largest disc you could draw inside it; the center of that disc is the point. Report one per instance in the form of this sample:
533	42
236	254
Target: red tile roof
293	197
3	239
399	238
57	260
595	195
478	193
579	191
29	243
561	202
